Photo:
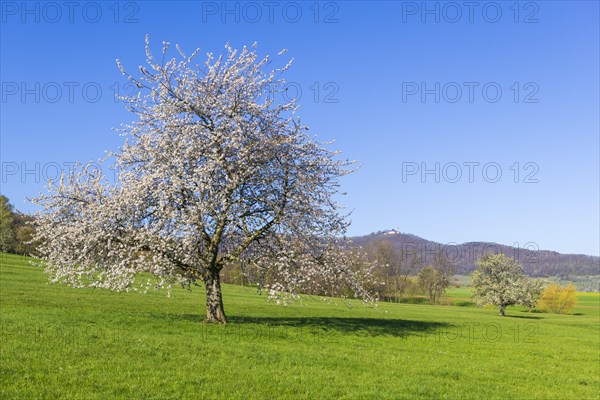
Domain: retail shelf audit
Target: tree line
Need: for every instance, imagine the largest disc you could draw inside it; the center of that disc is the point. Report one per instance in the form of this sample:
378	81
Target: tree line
394	276
16	229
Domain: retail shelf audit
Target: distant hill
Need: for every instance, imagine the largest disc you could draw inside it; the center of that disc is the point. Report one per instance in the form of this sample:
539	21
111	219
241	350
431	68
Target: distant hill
540	263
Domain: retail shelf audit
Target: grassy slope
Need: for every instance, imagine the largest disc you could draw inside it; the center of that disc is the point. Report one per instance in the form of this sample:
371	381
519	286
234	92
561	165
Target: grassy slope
63	342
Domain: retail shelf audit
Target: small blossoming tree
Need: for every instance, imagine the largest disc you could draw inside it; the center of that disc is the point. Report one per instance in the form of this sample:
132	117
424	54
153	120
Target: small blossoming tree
213	171
531	292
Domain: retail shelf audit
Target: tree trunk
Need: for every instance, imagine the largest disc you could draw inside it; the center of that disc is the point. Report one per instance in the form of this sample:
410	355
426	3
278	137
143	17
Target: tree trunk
214	299
502	310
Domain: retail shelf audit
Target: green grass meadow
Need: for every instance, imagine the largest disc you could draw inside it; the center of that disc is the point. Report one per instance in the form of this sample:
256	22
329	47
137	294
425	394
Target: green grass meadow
59	342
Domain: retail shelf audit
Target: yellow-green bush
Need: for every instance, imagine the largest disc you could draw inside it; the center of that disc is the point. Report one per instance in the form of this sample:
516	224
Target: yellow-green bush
558	299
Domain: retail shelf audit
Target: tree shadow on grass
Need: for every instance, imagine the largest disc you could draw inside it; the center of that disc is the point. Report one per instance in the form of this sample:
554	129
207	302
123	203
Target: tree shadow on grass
357	326
465	303
368	327
524	316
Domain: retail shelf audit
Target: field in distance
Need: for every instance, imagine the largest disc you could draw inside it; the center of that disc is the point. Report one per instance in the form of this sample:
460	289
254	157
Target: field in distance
83	343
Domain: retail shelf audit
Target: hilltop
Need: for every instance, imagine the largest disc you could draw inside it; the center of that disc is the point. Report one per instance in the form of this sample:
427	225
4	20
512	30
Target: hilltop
539	263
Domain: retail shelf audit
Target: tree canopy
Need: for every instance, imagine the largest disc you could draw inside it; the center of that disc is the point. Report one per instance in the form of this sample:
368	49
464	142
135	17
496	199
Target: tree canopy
213	171
498	280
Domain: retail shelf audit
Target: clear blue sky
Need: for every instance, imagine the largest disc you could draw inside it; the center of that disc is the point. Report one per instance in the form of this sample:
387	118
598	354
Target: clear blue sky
375	59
